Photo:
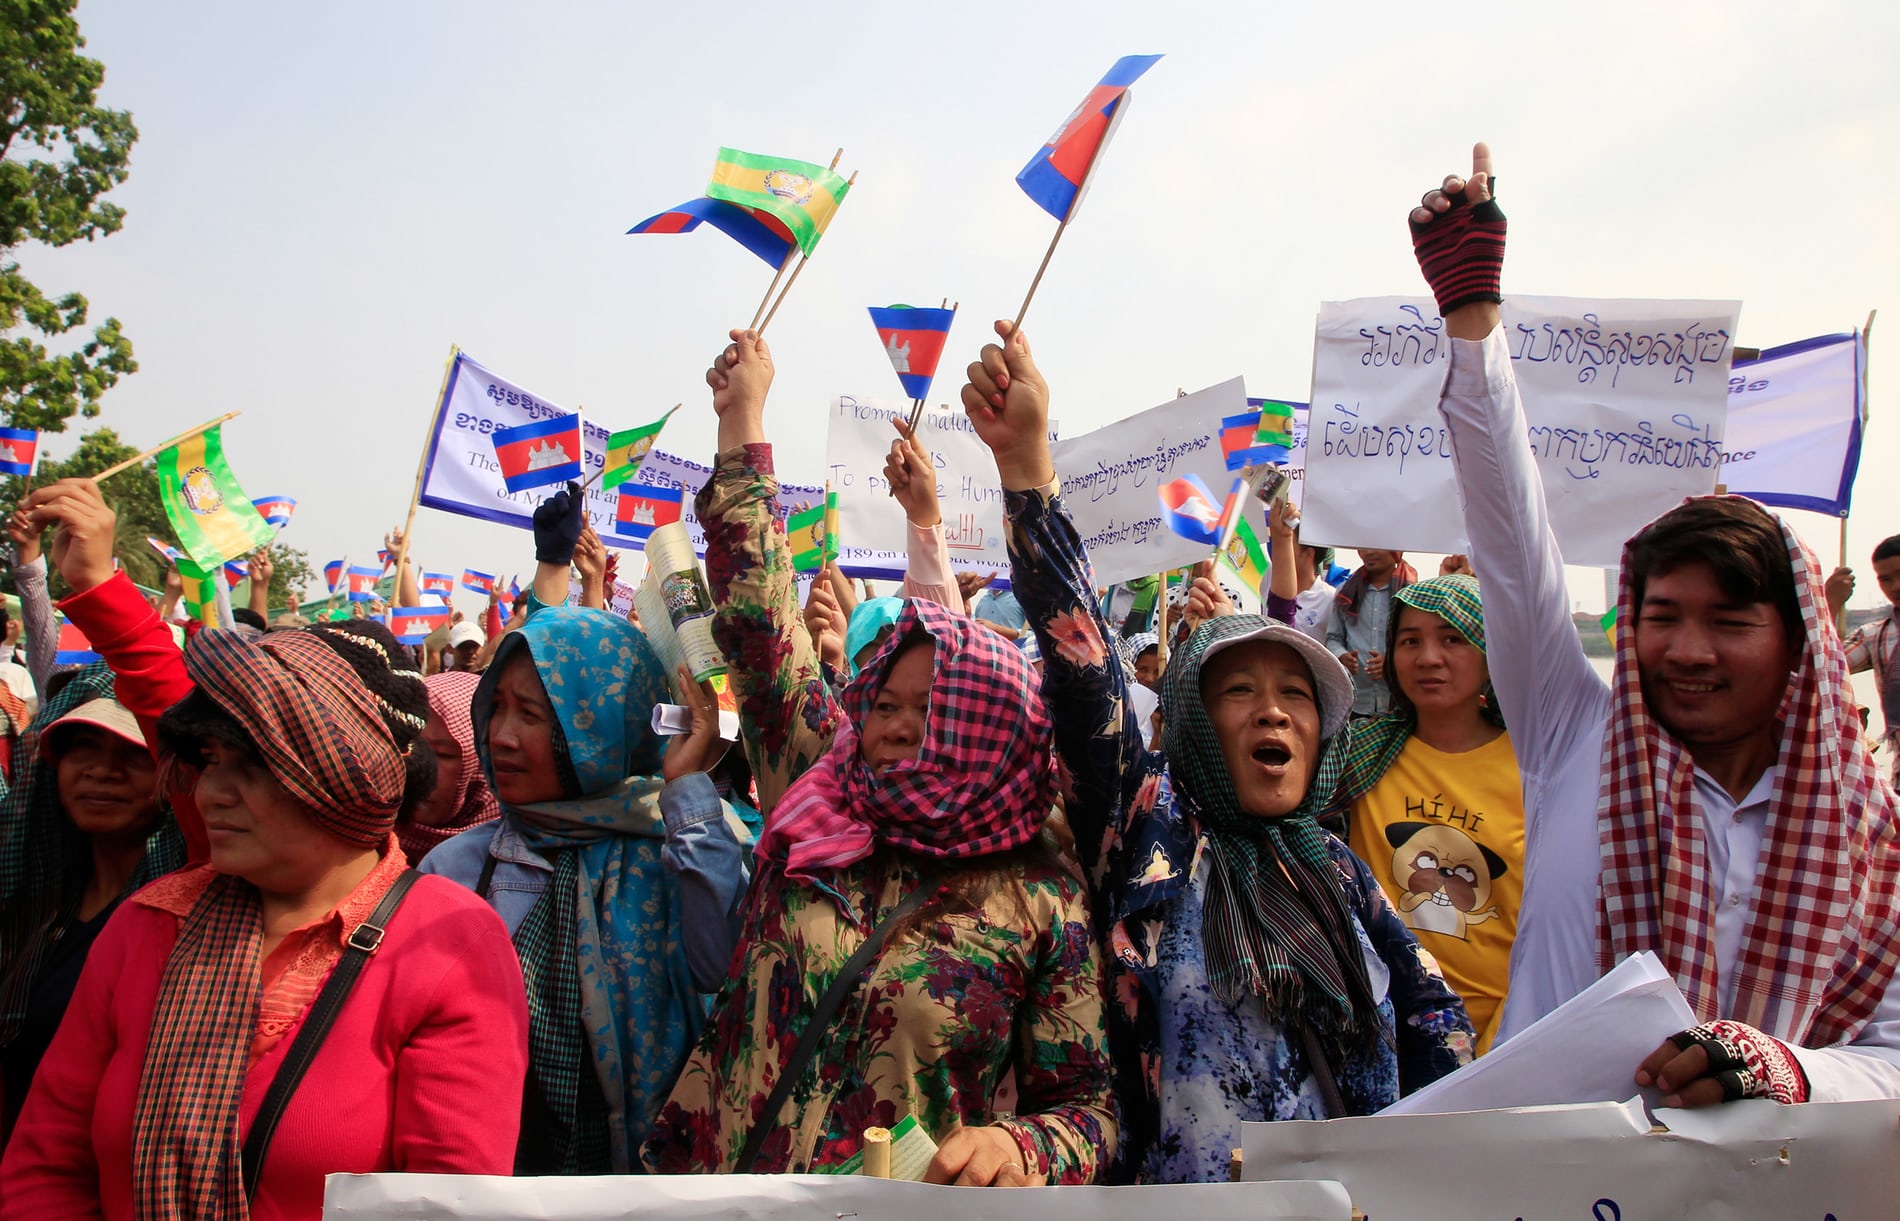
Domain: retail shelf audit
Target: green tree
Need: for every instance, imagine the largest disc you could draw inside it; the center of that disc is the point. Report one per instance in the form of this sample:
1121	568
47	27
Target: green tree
60	152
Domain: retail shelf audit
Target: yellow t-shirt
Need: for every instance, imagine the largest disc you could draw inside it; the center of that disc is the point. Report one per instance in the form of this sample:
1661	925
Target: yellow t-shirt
1444	834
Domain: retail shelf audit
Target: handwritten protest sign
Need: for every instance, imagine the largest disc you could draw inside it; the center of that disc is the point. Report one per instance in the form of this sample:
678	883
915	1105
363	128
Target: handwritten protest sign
1793	435
1625	402
1110	480
872	525
461	475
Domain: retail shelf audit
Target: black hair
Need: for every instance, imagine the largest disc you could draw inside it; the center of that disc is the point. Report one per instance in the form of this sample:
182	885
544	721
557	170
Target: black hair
249	618
186	726
1739	541
1888	549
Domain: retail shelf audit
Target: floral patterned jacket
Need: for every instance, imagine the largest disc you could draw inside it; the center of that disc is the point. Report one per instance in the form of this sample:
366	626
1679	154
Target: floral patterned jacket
1141	849
968	991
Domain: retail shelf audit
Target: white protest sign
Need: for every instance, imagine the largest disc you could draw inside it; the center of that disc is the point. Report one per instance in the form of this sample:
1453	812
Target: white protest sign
870	523
805	1197
461	475
1625	402
1793	435
1600	1161
1111	479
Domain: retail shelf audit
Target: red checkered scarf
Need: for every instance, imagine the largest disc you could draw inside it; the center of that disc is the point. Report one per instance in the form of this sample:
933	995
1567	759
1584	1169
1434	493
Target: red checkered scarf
452	697
1819	948
982	783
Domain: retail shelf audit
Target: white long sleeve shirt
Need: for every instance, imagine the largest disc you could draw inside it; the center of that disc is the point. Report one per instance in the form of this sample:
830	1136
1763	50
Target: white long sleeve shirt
1558	709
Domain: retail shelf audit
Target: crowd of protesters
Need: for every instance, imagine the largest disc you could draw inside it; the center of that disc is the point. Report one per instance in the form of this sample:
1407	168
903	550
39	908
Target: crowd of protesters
1078	879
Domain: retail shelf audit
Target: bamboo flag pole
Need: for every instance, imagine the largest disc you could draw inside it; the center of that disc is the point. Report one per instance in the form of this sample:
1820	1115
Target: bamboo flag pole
422	463
773	312
785	262
1866	337
917	405
180	439
1088	176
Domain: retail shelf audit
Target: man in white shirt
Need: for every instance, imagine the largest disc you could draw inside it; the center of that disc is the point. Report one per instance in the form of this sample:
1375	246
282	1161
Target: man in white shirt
1755	853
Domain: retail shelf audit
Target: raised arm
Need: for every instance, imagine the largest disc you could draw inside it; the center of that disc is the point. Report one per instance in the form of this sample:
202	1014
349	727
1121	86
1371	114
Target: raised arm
38	627
913	483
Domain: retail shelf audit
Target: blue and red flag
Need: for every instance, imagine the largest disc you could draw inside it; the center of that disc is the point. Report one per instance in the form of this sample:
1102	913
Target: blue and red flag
761	233
482	583
363	583
1055	176
18	448
276	510
166	551
644	508
385	558
1191	510
442	584
913	339
235	571
539	452
412	624
1237	434
333	574
74	649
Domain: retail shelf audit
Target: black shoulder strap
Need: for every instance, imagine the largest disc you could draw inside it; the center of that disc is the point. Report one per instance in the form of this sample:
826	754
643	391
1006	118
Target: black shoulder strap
362	942
850	976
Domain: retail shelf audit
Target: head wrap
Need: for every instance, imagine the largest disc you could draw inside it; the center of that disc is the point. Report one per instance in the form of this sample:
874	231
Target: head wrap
868	618
982	782
315	725
451	697
1819	949
1132	647
611	1003
1346	601
1275	920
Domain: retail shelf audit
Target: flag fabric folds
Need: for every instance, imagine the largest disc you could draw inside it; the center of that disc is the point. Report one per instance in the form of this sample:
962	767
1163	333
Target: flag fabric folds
166	551
1191	510
441	584
801	196
805	531
644	508
1276	428
333	574
73	649
539	452
1055	175
412	624
913	339
235	572
627	450
212	517
478	582
200	592
363	582
1237	434
765	236
19	447
276	509
1245	556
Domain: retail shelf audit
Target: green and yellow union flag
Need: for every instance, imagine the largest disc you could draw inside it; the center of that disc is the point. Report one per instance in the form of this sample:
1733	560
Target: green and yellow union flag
212	517
799	196
833	537
805	531
201	591
627	450
1245	556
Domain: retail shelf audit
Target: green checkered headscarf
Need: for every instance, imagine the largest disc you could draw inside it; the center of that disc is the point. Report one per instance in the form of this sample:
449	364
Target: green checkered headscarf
1274	922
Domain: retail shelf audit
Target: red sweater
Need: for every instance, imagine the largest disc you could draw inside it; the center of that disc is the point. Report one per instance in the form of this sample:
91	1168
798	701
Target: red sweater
422	1071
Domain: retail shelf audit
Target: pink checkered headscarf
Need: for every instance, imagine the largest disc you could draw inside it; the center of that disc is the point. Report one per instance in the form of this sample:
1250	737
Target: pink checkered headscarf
1819	948
982	783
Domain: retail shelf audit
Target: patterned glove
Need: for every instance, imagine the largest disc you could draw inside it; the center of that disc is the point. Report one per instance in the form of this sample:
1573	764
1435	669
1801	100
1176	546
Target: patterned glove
1461	252
557	525
1746	1062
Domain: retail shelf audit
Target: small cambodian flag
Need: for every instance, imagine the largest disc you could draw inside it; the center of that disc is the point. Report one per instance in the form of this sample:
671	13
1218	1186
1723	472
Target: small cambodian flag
913	339
763	234
482	583
442	584
1237	433
18	449
166	551
539	453
644	508
363	583
385	558
333	573
1191	510
412	624
74	648
276	509
235	571
1055	176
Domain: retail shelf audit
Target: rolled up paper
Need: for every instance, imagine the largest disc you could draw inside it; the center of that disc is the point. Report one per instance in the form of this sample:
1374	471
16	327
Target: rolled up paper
672	720
877	1153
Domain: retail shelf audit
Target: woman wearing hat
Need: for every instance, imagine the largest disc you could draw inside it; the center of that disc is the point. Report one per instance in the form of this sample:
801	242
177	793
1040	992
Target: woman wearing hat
199	985
1258	971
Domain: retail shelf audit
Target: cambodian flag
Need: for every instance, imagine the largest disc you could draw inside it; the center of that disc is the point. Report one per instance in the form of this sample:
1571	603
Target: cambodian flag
541	452
412	624
644	508
1190	510
18	448
1237	434
385	558
276	509
333	573
1055	176
166	551
74	649
913	339
442	584
761	233
482	583
235	571
363	583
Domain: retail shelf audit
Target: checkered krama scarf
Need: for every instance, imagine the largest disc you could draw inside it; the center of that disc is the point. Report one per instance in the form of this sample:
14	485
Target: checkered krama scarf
982	783
317	728
452	698
1819	948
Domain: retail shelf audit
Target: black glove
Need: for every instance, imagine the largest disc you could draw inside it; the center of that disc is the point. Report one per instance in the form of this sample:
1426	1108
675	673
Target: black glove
558	521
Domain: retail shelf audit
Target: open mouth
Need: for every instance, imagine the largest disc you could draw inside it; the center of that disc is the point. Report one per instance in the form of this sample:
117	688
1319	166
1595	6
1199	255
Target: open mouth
1273	756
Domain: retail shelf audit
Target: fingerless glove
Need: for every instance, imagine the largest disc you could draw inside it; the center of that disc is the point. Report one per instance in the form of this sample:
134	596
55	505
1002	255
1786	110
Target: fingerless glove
1461	253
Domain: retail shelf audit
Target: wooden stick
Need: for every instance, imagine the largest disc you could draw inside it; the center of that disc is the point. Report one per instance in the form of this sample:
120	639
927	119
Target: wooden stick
422	465
1033	284
1161	622
783	264
187	435
773	312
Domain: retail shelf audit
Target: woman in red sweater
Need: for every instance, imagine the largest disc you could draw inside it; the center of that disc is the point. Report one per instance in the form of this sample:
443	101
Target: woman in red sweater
197	986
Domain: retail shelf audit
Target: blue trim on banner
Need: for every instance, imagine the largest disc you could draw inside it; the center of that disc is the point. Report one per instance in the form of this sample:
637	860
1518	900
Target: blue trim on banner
1798	346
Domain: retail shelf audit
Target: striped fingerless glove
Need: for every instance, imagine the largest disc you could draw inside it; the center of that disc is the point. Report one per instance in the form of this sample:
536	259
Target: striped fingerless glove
1748	1063
1461	253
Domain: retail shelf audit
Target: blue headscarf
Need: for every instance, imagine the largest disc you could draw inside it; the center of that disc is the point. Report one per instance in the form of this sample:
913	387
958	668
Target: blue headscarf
601	950
868	618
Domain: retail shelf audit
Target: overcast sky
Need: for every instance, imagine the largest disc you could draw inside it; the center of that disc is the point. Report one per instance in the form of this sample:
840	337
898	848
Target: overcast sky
324	198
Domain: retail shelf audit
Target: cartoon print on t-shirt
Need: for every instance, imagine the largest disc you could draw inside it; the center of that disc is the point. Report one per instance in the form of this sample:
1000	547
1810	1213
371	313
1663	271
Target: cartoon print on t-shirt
1445	877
